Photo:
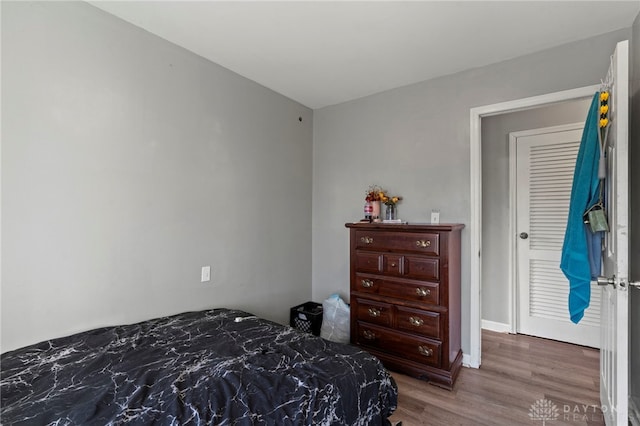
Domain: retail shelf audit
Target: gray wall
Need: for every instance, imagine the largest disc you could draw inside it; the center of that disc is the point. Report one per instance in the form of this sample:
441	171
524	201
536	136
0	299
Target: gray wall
495	201
414	141
127	164
634	258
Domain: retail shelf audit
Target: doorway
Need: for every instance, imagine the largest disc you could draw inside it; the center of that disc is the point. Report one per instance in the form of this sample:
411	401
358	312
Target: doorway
476	230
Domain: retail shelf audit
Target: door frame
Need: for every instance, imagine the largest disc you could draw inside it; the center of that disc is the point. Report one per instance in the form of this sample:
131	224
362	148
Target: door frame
513	211
473	359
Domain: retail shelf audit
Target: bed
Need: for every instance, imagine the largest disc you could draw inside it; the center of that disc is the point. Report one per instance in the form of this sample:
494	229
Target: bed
220	366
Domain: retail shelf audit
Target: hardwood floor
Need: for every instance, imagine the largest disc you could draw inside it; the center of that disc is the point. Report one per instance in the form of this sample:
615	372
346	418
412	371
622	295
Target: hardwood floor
517	373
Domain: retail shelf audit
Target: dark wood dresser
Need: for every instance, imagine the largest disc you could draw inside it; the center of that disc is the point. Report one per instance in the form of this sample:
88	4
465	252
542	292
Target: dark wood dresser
405	297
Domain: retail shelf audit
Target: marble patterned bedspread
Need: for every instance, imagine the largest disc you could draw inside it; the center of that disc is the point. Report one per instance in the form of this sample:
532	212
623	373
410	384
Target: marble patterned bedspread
191	369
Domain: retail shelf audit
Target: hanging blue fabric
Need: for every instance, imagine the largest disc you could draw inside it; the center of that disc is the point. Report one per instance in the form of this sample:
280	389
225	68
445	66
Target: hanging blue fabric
581	251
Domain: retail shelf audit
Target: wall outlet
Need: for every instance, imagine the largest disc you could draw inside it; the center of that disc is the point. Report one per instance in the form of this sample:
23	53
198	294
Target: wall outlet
435	217
205	274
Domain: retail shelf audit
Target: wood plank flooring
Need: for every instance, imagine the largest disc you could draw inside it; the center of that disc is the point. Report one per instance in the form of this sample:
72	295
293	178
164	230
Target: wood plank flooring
517	372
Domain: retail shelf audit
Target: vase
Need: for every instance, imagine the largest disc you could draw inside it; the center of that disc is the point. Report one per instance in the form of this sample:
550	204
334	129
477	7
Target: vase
375	211
390	213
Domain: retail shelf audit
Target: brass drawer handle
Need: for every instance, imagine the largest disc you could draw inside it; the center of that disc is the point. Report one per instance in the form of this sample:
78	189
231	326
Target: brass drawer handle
393	265
420	291
366	240
367	283
417	321
423	243
369	335
373	312
425	350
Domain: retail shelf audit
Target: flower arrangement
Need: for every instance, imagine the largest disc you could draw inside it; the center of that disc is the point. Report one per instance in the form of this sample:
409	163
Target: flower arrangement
373	197
374	193
389	200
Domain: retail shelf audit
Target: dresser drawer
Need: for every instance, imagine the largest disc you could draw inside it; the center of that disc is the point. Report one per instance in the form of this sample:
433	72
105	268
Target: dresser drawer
416	348
424	268
368	262
366	284
416	291
418	267
374	312
393	264
419	321
428	244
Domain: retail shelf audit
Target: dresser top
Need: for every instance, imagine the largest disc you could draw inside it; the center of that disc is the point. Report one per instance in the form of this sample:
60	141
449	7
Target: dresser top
405	226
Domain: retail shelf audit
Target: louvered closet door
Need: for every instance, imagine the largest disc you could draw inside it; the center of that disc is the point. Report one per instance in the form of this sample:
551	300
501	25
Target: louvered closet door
545	165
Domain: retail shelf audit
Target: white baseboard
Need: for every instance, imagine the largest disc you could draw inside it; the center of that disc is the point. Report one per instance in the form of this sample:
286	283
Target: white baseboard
496	326
487	325
466	361
634	411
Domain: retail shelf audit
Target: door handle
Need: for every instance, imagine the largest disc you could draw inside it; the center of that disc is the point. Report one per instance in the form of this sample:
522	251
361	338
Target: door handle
604	281
524	235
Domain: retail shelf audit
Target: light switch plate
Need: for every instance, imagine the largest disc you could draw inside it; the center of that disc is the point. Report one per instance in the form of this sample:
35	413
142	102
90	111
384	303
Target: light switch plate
205	274
435	217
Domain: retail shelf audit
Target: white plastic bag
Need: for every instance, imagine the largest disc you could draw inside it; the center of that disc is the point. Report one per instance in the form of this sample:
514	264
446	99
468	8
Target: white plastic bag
335	320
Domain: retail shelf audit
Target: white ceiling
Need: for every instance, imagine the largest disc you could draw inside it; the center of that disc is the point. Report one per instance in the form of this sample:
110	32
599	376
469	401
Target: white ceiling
322	53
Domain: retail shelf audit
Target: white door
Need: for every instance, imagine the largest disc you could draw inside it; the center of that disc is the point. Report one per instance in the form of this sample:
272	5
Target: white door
614	345
545	162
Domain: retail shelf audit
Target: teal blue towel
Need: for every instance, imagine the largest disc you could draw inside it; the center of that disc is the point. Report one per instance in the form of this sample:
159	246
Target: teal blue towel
578	239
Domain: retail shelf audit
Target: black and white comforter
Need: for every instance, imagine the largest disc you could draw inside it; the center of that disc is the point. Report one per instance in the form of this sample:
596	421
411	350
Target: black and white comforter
194	368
